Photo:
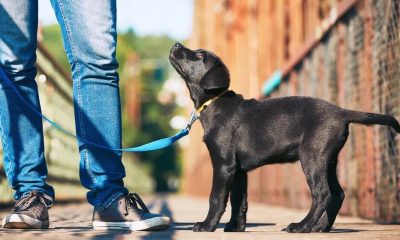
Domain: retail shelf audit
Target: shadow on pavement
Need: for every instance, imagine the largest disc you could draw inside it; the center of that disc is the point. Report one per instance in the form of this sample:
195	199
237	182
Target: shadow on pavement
166	234
345	230
189	225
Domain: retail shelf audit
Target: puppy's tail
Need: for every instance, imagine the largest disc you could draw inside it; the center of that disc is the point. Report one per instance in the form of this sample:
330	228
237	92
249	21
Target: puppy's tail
372	118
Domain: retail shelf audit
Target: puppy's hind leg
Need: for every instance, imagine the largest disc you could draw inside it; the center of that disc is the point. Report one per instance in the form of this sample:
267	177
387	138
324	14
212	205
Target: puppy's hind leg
315	169
326	221
328	218
238	198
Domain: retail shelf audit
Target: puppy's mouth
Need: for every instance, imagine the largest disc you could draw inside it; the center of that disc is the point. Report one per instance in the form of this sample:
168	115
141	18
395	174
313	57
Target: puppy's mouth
175	64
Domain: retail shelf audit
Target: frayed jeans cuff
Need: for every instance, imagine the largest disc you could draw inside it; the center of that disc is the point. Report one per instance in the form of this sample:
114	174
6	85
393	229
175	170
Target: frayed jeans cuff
110	200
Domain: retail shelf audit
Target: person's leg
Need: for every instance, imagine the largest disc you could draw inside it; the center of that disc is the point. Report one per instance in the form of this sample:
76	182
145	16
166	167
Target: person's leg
21	131
89	34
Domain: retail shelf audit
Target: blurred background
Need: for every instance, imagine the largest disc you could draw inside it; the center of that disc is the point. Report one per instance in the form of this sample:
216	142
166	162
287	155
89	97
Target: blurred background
344	51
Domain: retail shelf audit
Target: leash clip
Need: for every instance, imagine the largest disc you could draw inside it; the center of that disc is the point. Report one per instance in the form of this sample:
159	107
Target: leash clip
194	115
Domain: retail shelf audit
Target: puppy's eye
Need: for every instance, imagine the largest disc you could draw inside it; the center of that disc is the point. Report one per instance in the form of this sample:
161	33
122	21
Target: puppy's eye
199	55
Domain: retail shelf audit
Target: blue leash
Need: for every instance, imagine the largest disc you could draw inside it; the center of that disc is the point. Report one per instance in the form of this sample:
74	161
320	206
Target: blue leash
155	145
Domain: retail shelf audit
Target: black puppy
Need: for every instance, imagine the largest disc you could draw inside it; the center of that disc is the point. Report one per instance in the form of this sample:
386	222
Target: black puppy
242	135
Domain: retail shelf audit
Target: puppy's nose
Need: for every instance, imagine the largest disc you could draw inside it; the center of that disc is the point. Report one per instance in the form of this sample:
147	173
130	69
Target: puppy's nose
178	45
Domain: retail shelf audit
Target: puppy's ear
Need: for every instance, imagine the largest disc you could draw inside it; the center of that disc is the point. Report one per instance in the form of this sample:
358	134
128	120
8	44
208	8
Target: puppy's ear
217	77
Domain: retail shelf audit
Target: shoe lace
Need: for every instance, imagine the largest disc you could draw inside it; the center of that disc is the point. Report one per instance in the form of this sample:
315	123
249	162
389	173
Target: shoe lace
26	200
23	202
132	201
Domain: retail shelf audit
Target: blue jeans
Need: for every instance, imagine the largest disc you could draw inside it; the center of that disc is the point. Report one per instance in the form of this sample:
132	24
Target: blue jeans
89	33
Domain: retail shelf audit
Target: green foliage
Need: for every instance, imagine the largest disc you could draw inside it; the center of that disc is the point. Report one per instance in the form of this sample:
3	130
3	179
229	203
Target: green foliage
154	46
125	46
153	52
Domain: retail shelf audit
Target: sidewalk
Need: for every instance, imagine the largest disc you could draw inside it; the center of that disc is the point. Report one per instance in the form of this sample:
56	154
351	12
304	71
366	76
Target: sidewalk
72	221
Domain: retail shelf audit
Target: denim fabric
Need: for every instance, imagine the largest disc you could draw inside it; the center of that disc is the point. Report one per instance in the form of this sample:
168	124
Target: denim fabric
89	33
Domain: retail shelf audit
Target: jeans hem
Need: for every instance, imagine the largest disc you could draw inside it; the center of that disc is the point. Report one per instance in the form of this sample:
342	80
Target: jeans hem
50	198
111	200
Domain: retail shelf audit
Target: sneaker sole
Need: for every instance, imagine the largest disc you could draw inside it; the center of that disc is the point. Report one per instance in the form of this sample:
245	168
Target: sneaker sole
98	225
19	221
152	224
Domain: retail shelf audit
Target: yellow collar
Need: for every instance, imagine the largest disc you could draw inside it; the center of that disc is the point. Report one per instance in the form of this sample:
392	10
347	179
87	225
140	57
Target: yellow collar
202	107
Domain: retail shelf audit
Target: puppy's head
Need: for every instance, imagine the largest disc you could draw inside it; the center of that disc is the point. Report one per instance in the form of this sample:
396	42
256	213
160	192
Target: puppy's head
204	73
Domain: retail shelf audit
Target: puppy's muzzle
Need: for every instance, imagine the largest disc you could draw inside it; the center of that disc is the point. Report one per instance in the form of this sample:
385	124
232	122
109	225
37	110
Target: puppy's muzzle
176	55
176	52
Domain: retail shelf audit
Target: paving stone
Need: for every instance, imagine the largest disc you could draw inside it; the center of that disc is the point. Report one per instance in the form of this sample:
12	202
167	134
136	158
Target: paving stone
73	221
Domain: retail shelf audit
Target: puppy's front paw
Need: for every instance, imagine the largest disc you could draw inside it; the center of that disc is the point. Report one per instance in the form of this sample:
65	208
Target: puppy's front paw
298	228
202	227
234	227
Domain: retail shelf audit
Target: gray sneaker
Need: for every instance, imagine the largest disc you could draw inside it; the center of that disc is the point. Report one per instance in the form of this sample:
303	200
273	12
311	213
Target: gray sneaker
125	213
31	211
